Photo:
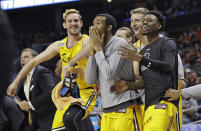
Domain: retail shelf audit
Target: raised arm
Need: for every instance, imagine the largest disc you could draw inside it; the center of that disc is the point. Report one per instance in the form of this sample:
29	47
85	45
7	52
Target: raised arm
49	53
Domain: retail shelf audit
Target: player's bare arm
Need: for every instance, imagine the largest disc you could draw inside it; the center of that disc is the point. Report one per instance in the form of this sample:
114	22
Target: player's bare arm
49	53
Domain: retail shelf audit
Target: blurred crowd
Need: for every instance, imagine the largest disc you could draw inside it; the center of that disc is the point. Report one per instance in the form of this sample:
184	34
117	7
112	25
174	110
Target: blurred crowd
171	8
189	45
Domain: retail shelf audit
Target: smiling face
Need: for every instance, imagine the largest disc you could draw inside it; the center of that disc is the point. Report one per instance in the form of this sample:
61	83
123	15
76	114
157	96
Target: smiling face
100	24
73	23
136	23
150	24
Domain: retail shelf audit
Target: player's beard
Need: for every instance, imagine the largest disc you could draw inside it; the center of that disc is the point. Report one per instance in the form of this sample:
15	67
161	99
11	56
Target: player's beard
105	36
74	33
152	33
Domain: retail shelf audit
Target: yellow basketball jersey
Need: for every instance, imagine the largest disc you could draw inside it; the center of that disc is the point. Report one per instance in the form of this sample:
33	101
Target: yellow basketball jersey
68	54
138	46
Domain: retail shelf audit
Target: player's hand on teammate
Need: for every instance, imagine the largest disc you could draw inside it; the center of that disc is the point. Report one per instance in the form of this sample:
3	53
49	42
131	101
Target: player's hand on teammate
119	87
129	53
96	41
12	88
172	94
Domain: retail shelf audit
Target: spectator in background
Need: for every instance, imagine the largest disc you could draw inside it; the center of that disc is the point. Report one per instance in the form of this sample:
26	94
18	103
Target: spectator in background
190	115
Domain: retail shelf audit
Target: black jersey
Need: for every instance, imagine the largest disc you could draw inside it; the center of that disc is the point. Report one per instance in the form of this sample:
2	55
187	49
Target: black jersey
158	68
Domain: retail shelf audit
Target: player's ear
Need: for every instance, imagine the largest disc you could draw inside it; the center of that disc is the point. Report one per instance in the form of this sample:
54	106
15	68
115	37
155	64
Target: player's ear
159	26
64	25
130	39
81	23
109	28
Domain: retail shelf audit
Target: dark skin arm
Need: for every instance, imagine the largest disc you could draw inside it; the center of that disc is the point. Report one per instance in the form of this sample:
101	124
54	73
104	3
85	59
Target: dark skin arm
130	53
122	86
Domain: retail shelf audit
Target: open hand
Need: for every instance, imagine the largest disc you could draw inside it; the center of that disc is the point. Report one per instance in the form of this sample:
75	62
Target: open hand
96	41
129	53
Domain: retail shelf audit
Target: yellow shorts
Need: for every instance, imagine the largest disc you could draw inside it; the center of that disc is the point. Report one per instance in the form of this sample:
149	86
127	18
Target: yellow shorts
177	120
142	107
85	95
125	121
159	117
180	113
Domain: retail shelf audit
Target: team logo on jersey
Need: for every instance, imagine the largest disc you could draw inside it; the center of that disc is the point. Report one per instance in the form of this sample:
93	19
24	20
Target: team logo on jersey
62	44
147	55
138	49
143	68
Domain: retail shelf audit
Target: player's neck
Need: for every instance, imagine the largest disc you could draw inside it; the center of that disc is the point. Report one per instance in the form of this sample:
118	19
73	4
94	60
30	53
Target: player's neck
107	38
73	39
152	38
143	40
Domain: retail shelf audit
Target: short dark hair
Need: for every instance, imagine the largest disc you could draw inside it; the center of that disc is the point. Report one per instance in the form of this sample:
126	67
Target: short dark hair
33	52
110	20
160	18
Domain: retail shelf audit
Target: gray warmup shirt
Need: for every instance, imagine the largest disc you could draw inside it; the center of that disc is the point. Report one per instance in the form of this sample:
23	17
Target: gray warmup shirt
108	67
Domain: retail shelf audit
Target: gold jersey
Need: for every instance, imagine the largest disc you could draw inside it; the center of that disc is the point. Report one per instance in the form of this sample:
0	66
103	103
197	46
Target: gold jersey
67	55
